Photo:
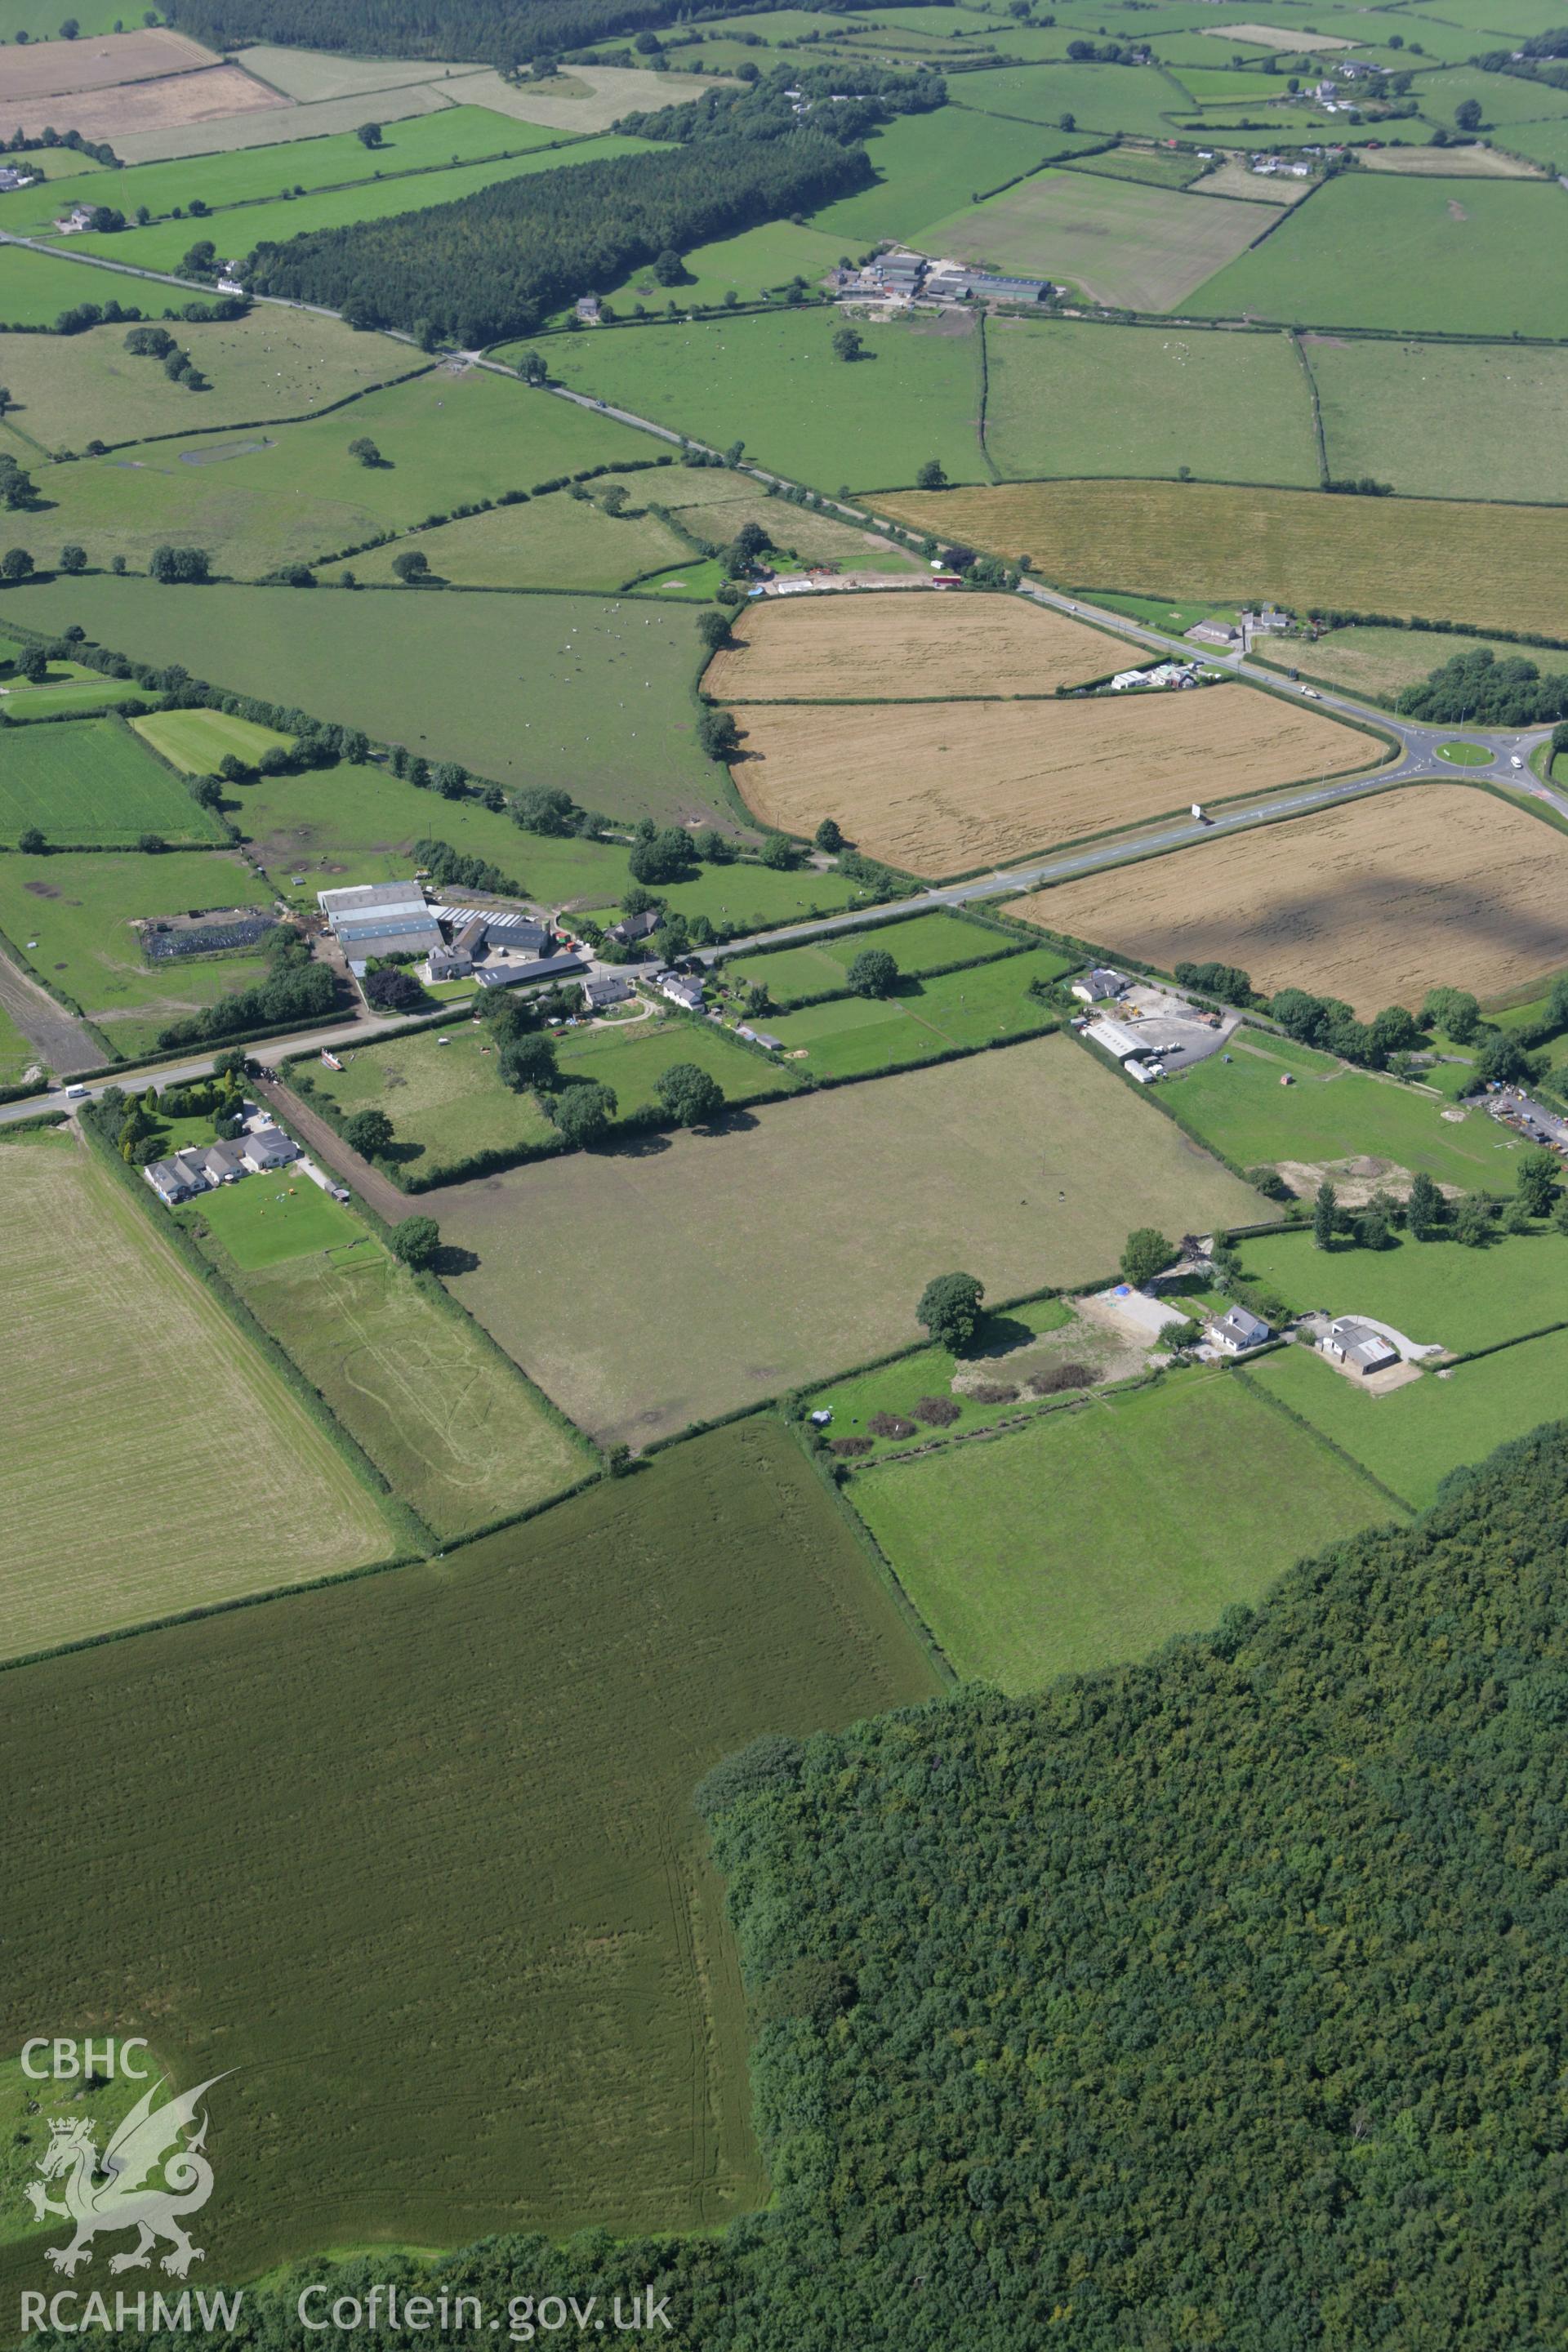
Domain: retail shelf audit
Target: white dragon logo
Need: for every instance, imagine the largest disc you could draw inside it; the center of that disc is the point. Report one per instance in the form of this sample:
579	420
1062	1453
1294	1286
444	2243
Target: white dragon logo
112	2195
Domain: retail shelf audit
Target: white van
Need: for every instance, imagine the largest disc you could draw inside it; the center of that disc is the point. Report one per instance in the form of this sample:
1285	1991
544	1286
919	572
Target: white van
72	1092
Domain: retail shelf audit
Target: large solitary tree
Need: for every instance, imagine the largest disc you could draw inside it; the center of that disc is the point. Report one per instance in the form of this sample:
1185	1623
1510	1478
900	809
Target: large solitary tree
1147	1252
368	1132
950	1309
691	1096
874	972
416	1241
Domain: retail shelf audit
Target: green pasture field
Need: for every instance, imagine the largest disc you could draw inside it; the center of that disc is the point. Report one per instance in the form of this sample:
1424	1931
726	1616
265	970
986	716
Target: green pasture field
1129	247
551	542
1071	399
1153	169
857	1035
1332	1112
1504	99
199	741
1412	1438
443	1091
1134	99
340	825
542	1704
178	1434
92	782
458	134
71	913
107	2100
1222	87
1158	611
262	1221
1487	259
1028	1167
1438	1293
1378	662
236	233
73	692
1003	1356
1103	1531
774	383
1474	420
38	23
754	263
714	506
1540	143
35	288
441	1413
70	390
937	943
928	164
592	695
292	493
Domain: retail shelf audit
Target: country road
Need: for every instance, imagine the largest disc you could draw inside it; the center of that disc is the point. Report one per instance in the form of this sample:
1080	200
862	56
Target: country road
1416	758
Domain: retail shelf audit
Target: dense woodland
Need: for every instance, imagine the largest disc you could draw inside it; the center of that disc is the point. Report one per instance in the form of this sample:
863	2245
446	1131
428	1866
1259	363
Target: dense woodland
1476	689
766	108
490	31
1217	2000
493	264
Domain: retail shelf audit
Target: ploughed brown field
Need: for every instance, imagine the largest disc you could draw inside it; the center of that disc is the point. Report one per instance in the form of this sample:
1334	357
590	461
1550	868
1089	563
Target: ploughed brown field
880	646
51	69
1434	884
1498	567
942	788
175	103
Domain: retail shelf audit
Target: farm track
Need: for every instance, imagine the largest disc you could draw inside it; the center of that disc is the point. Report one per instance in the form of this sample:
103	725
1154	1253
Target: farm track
62	1042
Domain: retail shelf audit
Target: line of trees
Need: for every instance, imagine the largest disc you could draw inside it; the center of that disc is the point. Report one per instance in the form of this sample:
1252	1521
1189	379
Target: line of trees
1473	688
296	988
766	108
495	263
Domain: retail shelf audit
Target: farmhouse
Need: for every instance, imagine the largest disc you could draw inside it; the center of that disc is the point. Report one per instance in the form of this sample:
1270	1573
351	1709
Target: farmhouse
201	1167
379	919
604	988
1099	983
632	930
1236	1330
687	993
1358	1347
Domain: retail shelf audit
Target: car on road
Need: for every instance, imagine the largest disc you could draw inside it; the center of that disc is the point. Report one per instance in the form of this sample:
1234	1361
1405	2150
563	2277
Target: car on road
1311	693
1515	762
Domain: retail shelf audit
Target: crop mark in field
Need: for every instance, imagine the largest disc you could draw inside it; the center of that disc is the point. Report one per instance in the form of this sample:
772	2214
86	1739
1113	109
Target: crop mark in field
225	450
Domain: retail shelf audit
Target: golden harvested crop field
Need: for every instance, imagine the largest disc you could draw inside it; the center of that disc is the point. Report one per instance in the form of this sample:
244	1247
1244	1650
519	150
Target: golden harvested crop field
176	102
1376	902
1498	567
49	68
942	788
888	646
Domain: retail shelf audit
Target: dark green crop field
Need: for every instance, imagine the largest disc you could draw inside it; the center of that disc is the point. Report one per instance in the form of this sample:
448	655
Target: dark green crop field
92	782
504	1996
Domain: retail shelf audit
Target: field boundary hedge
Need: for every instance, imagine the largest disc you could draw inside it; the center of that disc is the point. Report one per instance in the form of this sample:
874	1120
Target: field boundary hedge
1329	1444
882	1568
1300	348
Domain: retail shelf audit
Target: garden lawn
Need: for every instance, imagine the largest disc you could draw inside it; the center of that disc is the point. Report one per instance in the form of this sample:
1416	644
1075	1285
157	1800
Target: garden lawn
928	164
92	782
1128	246
593	696
1100	1533
251	176
72	914
293	493
820	1221
1474	420
68	390
899	1387
774	383
1411	1439
1156	170
279	1214
1240	1109
443	1091
1489	259
236	233
1437	1293
1067	398
73	693
198	741
925	943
